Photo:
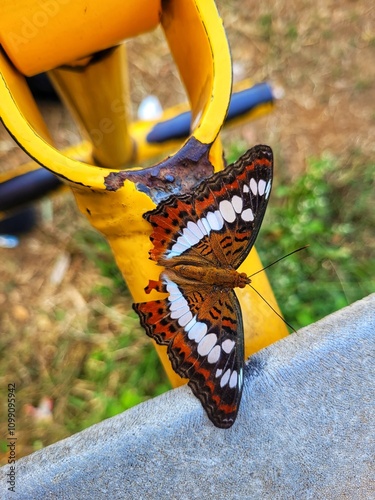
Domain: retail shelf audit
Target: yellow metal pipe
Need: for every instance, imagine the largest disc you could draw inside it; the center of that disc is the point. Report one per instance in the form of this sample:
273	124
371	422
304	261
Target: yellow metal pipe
139	130
105	83
118	214
199	46
41	35
24	98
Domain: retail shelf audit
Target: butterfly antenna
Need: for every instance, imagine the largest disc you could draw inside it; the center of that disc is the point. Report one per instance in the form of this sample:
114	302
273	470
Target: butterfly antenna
278	260
273	309
261	296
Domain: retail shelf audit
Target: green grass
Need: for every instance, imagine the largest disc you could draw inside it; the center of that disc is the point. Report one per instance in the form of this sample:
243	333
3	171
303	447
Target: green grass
128	371
123	375
265	26
327	208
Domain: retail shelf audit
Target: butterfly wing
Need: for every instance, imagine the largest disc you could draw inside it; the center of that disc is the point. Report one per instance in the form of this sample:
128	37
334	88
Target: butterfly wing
218	224
201	324
204	334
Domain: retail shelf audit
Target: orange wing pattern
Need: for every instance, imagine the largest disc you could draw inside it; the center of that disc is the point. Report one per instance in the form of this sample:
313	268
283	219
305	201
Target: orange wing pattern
200	321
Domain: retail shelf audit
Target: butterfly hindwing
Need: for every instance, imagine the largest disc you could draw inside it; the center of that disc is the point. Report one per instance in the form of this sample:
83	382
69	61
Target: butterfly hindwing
215	358
204	334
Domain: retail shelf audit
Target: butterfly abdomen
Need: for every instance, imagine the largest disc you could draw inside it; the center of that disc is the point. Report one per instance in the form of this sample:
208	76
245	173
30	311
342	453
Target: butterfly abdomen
222	278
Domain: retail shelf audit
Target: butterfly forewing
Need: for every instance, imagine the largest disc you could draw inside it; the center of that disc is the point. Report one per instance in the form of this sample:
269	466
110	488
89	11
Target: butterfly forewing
203	332
243	204
200	321
221	220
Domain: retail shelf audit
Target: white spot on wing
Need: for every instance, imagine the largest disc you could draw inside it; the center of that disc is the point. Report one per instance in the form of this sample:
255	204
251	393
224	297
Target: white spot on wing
177	249
220	219
206	225
177	304
188	238
247	215
191	323
227	211
185	319
171	287
261	187
237	203
206	344
195	230
253	186
214	222
214	355
191	238
228	345
233	379
225	378
245	188
219	371
171	254
198	331
179	312
201	227
174	296
268	189
182	241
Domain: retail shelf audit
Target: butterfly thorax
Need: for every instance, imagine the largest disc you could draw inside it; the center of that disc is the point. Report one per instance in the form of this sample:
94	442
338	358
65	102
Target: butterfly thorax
213	276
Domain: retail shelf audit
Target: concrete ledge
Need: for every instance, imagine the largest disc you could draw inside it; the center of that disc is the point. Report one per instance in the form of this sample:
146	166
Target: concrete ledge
305	430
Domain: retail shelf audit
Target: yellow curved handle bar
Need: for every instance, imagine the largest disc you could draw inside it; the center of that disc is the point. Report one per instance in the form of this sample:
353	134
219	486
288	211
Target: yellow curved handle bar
197	40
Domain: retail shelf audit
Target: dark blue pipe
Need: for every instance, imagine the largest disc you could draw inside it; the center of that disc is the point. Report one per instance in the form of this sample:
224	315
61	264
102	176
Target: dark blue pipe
26	188
241	103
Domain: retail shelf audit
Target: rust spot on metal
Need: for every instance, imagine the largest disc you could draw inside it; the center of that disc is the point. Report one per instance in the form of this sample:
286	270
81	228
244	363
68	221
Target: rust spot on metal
177	174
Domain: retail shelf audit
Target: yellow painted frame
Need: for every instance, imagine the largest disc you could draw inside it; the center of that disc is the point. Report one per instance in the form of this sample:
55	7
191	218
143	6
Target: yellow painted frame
199	46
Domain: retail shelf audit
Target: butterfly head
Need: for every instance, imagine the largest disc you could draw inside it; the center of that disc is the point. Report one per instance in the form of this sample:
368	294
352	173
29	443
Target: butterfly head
242	280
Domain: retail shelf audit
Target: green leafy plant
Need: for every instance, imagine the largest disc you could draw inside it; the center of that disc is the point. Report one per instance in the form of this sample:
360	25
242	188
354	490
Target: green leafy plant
327	208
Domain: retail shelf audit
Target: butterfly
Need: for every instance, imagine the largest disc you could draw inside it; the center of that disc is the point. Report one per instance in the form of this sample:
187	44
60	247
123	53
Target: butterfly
200	239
